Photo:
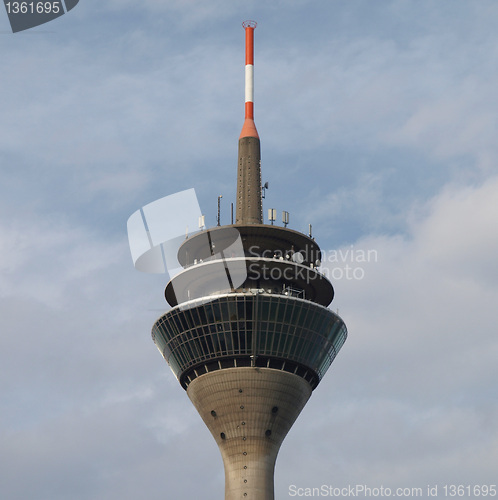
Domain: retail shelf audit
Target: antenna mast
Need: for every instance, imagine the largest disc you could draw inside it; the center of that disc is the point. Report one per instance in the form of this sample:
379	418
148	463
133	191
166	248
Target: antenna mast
249	206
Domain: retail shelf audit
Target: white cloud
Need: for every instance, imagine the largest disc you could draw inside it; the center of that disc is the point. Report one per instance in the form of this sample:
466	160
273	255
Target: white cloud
132	106
415	393
460	237
433	94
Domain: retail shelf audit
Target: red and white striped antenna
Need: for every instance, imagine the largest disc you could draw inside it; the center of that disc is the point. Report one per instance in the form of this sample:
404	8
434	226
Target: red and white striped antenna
249	128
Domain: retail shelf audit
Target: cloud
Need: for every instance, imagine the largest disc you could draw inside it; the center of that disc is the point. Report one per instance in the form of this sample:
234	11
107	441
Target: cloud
379	124
412	388
432	92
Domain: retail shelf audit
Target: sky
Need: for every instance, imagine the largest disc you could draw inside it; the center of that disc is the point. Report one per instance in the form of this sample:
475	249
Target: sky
378	125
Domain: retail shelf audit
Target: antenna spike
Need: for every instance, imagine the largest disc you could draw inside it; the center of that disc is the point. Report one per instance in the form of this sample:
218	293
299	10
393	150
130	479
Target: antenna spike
249	205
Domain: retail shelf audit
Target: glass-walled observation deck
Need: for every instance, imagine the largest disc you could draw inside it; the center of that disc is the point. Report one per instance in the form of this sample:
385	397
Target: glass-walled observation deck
250	329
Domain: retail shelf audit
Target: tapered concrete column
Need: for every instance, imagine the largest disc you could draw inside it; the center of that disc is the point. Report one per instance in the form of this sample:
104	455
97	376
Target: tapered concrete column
248	203
249	412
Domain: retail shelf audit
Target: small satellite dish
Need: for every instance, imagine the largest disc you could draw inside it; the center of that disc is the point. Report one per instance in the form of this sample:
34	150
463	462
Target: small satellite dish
263	190
298	258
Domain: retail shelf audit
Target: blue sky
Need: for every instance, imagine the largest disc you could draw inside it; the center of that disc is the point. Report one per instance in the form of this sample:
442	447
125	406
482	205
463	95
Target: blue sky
378	123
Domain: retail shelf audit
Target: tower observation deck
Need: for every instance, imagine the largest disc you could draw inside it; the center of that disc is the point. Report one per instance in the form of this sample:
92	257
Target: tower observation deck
249	335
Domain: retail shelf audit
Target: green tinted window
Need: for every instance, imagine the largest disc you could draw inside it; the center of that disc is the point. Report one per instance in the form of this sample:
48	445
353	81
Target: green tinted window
285	328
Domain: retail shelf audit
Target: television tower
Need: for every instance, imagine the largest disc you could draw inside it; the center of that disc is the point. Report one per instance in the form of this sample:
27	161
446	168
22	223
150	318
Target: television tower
249	335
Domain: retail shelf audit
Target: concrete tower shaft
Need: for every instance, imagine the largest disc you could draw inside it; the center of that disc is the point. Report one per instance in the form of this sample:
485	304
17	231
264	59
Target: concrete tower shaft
249	206
249	412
